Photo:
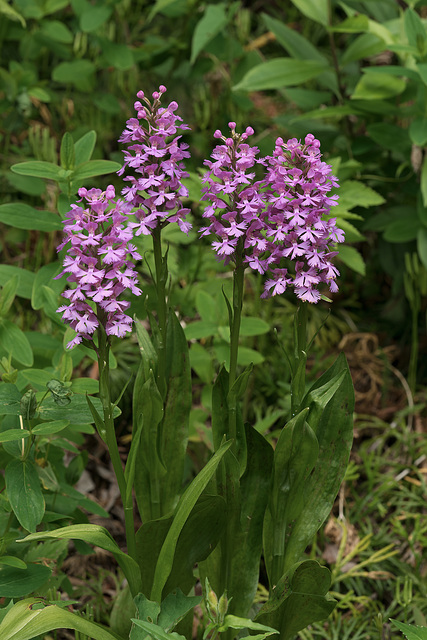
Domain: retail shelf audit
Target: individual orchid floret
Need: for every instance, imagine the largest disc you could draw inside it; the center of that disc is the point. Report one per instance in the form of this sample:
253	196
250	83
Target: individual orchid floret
99	262
154	164
235	201
299	226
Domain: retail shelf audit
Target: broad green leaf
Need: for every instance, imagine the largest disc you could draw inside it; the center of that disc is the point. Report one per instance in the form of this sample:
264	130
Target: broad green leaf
294	458
314	10
94	534
15	342
411	631
247	544
16	583
212	22
198	537
24	493
37	169
356	194
177	406
45	277
12	561
279	73
57	31
156	632
84	147
251	326
174	607
415	30
351	233
418	131
354	24
77	409
10	399
207	307
352	258
183	510
13	435
334	431
403	230
200	329
32	617
422	70
378	86
39	94
394	70
160	6
67	153
337	112
22	216
49	428
390	136
122	612
422	245
26	184
299	598
85	385
94	16
7	295
78	73
364	46
234	622
95	168
7	10
424	181
117	55
295	44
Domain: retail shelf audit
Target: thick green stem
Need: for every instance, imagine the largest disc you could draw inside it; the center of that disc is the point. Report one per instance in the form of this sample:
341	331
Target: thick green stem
300	358
238	290
107	407
161	280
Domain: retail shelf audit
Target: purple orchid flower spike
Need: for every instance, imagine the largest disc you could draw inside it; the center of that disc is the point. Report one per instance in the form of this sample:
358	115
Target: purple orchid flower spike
155	156
99	262
298	224
280	225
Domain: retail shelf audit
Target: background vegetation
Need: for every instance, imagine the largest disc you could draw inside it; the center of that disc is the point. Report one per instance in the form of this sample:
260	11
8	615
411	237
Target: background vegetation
352	73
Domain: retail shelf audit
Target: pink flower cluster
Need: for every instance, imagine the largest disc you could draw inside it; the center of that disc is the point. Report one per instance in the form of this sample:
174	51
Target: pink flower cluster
282	219
155	157
99	261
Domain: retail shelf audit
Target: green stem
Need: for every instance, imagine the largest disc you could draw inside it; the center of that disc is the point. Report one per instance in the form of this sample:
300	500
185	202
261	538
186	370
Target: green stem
107	407
238	290
161	280
300	358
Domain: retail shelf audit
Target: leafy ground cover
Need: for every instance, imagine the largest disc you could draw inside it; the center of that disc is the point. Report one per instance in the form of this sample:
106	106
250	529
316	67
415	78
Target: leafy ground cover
354	74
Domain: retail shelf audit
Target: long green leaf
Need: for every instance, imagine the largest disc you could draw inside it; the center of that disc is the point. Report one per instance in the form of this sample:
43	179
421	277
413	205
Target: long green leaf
279	73
24	492
37	169
99	536
32	617
184	508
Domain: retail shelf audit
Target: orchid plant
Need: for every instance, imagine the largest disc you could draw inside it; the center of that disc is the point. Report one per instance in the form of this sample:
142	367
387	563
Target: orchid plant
251	500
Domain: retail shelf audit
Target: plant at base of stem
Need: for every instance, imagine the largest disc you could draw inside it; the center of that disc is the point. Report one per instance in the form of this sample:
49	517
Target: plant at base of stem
99	263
